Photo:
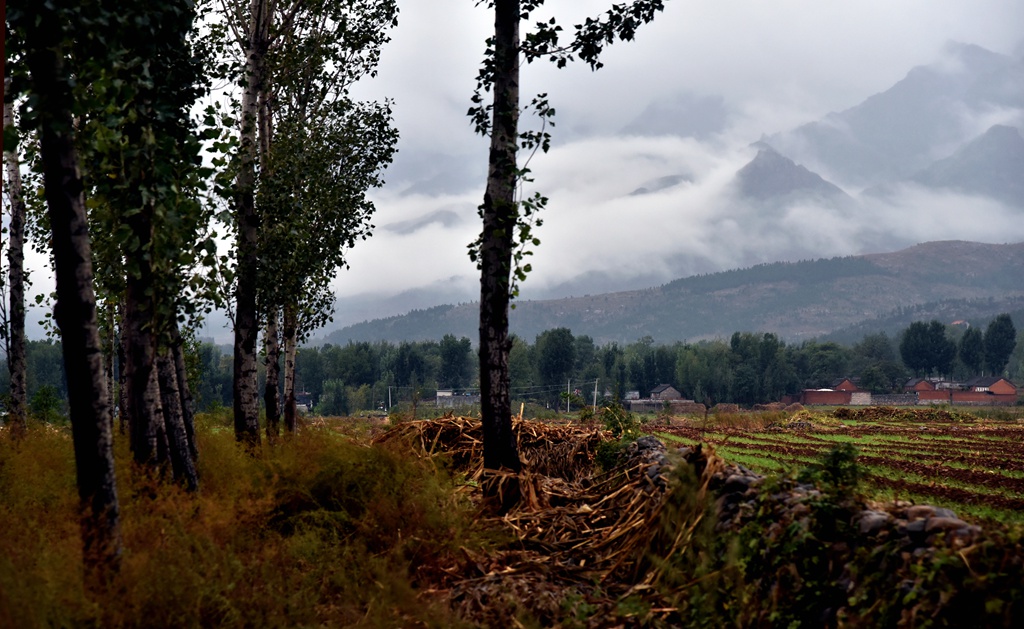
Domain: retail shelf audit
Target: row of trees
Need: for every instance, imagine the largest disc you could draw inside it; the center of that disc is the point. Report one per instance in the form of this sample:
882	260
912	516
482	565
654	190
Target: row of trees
110	174
748	368
928	348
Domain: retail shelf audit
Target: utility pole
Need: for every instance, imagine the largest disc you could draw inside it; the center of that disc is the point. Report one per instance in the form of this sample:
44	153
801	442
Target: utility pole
568	392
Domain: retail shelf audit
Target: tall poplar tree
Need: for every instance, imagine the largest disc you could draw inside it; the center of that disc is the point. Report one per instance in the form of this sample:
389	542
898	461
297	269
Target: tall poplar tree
507	220
308	155
999	341
40	34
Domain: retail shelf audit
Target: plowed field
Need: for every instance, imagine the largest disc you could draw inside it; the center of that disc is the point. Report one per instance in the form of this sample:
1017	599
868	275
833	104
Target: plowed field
974	467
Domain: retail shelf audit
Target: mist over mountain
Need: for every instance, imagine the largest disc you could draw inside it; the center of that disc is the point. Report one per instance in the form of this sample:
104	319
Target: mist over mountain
797	300
684	115
771	176
923	117
680	190
991	165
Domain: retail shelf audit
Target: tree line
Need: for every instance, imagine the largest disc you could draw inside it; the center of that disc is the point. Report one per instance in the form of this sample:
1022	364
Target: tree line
748	368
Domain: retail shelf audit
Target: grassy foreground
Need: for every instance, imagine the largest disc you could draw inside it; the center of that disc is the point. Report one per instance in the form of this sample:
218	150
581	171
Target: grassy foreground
319	530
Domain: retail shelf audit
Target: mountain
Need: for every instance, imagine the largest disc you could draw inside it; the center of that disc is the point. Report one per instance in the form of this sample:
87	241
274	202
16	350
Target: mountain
684	115
991	165
797	300
898	132
772	176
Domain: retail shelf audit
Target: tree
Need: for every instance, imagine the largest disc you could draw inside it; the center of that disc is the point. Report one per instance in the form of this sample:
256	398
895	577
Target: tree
943	349
999	341
14	333
506	220
924	348
455	361
971	350
556	355
252	33
144	185
40	33
308	155
915	348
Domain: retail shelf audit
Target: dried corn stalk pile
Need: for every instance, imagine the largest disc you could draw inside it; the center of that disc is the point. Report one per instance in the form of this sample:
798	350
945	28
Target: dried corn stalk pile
563	451
578	535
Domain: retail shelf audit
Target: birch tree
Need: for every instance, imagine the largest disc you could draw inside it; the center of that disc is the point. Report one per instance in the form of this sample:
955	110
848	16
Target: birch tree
14	331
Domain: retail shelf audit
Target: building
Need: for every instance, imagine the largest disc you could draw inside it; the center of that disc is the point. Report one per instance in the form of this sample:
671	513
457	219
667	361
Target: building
665	392
993	385
845	384
918	384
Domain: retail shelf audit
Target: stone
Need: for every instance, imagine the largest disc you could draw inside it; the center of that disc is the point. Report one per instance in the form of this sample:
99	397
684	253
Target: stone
736	483
938	524
918	512
870	522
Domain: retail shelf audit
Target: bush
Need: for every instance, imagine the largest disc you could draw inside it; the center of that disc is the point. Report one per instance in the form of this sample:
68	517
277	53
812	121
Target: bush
838	472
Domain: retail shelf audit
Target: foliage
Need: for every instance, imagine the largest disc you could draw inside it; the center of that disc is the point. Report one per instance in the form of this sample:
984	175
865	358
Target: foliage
971	350
1000	339
838	471
625	429
47	405
925	348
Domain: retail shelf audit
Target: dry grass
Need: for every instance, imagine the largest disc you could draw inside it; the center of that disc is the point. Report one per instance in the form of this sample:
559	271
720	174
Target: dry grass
316	531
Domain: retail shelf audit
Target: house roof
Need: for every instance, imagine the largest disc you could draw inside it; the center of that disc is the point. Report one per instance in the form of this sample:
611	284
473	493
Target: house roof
986	381
913	381
661	388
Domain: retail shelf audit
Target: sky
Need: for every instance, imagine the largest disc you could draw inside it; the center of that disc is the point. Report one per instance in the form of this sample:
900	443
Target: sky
770	66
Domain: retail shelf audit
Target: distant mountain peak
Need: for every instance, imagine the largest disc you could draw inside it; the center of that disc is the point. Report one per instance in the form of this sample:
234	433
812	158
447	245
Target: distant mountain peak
772	175
895	133
991	165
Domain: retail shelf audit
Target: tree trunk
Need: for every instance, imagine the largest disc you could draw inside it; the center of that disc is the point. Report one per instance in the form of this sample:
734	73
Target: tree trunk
290	330
187	407
246	396
182	465
123	404
145	419
499	219
75	311
110	348
18	410
271	399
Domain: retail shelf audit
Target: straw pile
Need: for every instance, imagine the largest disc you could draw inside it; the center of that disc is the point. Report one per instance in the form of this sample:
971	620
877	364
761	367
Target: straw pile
577	535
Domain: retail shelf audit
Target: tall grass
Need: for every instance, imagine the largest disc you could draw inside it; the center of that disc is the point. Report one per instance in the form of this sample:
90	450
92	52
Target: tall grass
317	530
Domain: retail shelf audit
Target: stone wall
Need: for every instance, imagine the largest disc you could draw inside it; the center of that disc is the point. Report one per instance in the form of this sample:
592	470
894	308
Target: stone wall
894	399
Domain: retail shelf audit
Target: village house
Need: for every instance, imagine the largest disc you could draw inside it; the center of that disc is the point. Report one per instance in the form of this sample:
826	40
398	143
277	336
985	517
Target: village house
665	392
917	391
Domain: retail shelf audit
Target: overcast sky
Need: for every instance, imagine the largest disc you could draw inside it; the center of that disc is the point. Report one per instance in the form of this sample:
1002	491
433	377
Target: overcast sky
774	65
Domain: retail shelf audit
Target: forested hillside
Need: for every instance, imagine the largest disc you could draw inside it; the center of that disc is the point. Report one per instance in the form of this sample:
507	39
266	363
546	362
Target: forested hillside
796	300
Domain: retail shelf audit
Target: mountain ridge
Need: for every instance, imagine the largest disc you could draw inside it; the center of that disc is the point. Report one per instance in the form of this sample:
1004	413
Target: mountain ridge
797	300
